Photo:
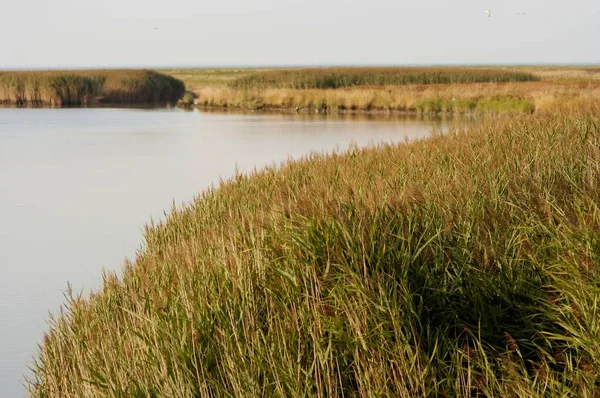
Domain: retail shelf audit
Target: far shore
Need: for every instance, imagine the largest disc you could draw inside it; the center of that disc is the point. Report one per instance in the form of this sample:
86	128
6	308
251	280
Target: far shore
523	90
376	91
87	88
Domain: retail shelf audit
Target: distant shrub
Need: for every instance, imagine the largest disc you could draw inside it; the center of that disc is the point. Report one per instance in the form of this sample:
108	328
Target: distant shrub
187	101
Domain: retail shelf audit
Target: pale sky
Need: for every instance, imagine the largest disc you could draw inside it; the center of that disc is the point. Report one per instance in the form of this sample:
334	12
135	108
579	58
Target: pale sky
114	33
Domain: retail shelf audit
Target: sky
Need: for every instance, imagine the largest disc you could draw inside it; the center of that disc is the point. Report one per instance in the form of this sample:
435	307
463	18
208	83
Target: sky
121	33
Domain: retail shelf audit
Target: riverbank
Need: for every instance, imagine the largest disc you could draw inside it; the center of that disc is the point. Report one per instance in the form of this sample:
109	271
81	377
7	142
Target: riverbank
459	265
515	90
88	88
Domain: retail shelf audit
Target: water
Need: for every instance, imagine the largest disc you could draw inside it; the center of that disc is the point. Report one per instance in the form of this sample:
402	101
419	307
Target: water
77	186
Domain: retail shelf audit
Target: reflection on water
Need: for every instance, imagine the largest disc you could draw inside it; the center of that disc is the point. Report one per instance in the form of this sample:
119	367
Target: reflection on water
374	116
77	186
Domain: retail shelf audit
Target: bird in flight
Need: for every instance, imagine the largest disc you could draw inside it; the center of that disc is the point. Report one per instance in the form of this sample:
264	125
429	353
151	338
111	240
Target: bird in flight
489	13
521	13
156	28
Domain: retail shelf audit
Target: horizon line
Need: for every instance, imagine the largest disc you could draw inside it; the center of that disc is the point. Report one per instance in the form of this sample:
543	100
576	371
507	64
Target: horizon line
274	66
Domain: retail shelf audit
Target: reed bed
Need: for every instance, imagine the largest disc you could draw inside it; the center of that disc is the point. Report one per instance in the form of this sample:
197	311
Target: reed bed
467	264
63	88
553	88
480	98
324	78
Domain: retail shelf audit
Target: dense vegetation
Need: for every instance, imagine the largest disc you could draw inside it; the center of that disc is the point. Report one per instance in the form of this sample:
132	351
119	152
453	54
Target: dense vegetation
61	88
462	265
473	90
323	78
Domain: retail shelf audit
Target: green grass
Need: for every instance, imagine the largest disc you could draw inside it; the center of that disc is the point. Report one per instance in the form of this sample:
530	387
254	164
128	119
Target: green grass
61	88
477	105
323	78
463	265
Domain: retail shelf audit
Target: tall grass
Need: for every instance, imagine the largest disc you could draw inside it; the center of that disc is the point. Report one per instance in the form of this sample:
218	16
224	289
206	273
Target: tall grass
446	100
322	78
556	88
484	98
467	264
61	88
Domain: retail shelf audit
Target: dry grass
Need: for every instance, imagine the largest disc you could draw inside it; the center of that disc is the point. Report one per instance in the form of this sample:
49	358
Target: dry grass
463	265
463	98
60	88
559	88
560	73
195	79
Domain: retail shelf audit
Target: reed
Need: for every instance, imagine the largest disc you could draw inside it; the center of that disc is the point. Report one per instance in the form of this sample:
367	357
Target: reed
552	88
467	264
481	98
62	88
324	78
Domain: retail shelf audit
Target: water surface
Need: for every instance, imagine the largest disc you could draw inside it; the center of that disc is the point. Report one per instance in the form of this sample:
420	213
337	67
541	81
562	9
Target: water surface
78	185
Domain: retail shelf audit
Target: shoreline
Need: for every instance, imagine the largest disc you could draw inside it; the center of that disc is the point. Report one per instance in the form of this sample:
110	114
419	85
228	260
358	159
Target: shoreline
348	112
100	105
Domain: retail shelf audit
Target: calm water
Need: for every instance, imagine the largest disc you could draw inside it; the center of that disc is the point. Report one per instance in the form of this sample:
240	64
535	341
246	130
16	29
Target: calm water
77	186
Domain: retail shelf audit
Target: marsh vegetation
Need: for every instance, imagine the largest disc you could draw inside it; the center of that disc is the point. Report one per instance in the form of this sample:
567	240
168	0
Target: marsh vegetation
62	88
450	90
323	78
467	264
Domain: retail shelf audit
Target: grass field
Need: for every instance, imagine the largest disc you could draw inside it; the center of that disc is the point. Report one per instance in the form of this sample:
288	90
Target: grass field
467	264
456	90
62	88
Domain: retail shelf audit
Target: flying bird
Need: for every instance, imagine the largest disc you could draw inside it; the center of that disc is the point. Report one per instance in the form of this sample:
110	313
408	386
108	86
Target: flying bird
521	13
156	28
489	13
